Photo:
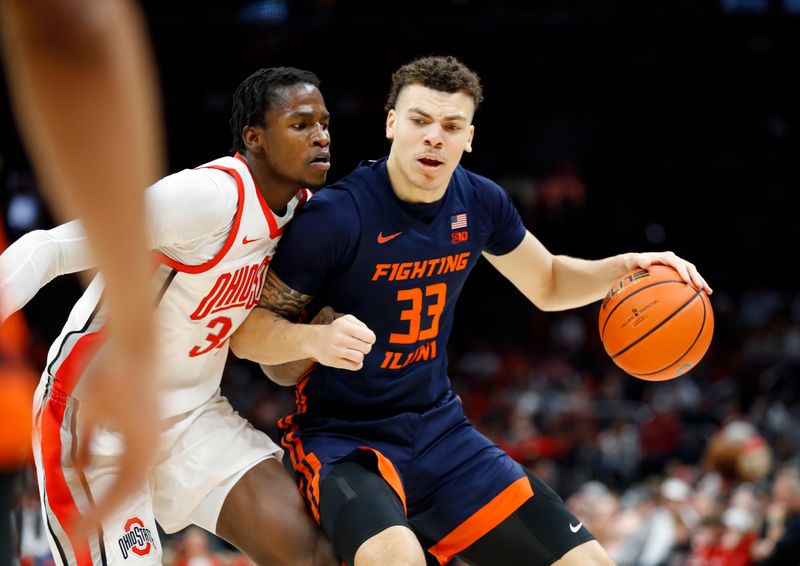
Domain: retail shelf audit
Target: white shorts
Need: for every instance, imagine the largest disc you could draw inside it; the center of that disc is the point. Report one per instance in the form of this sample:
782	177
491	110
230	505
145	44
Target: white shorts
203	454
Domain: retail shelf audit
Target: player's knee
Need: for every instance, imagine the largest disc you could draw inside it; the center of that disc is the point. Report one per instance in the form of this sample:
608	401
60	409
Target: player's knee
360	513
395	545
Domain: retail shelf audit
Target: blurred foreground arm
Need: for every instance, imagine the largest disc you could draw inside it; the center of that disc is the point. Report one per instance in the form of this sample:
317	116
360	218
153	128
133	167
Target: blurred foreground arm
82	82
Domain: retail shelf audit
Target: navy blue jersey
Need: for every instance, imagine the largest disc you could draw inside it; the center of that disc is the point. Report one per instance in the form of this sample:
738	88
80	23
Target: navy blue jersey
356	247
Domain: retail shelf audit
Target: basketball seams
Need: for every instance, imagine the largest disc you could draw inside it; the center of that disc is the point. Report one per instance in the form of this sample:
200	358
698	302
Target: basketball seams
633	294
689	349
660	324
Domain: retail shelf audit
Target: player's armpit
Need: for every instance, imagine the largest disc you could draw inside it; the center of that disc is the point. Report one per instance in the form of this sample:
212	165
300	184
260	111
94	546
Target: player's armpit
279	298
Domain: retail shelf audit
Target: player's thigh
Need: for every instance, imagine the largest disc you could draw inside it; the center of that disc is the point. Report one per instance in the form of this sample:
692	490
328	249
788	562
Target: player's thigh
356	505
265	516
540	532
207	451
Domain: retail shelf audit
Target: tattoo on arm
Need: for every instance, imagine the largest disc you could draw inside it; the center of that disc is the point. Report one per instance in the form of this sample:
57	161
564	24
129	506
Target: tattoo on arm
279	298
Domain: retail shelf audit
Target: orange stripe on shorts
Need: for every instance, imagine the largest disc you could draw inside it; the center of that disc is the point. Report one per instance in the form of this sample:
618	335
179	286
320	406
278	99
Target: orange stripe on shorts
483	520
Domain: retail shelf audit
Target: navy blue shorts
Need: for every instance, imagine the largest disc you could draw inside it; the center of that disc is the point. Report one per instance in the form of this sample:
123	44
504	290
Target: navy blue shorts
454	483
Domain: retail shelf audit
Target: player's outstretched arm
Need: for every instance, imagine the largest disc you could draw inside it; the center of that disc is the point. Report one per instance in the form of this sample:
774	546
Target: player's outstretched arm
37	258
559	282
269	337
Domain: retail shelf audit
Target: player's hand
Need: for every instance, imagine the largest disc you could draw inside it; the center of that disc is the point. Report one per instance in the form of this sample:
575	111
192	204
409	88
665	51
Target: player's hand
685	269
343	342
121	396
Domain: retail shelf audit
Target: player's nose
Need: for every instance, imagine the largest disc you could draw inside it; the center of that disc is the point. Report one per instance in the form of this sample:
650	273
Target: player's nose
321	136
433	135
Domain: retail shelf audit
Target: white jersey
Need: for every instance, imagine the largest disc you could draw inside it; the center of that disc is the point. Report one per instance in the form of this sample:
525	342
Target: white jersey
213	260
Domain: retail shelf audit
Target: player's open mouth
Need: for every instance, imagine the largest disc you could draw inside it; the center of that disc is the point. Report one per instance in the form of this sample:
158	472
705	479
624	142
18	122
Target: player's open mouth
429	164
322	161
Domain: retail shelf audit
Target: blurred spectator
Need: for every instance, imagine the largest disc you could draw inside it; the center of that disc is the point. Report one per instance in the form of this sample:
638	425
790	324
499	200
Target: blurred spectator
34	549
739	452
648	530
780	540
195	550
724	541
675	495
660	436
620	452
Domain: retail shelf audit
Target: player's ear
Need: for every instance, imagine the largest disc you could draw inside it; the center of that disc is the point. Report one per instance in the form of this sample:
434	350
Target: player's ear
391	117
251	136
468	145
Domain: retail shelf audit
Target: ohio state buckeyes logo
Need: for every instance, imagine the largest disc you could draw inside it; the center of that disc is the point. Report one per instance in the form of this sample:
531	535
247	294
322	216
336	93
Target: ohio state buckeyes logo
136	538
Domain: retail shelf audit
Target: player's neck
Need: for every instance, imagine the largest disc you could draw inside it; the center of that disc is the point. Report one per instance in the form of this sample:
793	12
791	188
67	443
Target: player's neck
277	199
406	191
276	192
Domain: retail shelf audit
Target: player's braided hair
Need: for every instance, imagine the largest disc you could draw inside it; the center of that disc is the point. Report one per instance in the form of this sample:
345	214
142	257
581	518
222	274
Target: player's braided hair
445	74
258	92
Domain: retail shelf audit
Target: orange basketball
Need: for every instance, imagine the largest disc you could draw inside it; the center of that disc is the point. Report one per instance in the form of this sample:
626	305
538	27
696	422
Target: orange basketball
654	325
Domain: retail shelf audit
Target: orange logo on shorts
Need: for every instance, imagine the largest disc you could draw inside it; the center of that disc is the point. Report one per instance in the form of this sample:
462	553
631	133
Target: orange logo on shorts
136	538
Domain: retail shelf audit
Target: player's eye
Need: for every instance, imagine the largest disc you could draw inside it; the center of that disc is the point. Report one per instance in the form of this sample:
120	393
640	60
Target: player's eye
453	127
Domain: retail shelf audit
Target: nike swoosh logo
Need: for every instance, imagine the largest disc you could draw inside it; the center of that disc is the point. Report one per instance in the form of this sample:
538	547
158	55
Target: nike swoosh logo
576	528
245	241
383	239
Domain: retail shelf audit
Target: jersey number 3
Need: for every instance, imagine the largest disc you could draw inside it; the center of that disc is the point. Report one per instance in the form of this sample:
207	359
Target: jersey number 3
436	296
222	326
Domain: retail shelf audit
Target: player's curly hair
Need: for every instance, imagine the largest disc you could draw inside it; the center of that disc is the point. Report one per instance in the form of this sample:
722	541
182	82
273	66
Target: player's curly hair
442	73
258	92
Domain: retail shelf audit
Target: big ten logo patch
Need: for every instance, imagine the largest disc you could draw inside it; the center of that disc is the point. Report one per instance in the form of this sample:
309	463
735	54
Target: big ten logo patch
136	539
458	237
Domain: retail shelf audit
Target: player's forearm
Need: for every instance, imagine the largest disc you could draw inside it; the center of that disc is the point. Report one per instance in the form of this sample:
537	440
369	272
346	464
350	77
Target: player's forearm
37	258
578	282
268	338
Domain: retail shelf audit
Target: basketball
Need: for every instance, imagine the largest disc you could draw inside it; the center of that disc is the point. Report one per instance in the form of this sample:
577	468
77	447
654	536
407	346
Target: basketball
654	325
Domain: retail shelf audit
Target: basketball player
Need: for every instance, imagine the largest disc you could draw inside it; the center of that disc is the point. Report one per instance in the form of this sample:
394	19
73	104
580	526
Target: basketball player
385	457
81	78
215	229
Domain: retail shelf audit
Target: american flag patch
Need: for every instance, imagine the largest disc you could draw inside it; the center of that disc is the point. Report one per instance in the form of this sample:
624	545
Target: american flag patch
458	221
